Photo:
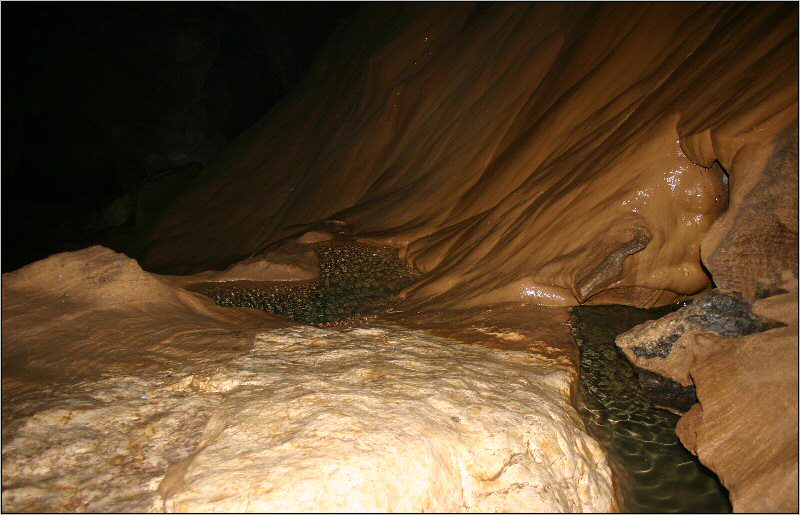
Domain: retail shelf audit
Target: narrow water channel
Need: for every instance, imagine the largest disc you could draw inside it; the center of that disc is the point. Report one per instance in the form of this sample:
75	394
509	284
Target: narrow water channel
655	473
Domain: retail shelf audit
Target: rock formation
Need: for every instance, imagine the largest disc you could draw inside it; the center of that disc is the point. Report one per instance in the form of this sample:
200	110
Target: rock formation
542	153
662	351
514	154
741	360
124	392
475	139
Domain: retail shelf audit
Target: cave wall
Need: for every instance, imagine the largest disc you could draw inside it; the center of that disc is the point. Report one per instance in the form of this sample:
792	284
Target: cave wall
551	153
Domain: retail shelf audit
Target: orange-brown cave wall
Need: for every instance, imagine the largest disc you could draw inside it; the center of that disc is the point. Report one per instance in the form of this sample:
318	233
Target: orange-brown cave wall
552	153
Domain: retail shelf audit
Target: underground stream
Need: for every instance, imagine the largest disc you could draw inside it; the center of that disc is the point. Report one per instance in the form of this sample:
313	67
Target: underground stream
655	473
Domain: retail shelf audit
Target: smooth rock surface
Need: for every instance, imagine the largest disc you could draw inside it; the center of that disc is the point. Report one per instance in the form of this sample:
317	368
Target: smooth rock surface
94	311
548	153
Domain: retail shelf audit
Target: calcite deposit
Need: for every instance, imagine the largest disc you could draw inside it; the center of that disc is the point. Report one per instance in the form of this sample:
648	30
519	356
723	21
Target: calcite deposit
124	392
546	153
383	419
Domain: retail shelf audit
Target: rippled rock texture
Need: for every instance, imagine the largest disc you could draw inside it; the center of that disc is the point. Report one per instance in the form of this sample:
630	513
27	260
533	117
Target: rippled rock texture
548	153
124	392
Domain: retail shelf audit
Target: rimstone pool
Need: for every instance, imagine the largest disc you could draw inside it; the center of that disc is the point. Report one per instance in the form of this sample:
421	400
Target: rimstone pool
654	472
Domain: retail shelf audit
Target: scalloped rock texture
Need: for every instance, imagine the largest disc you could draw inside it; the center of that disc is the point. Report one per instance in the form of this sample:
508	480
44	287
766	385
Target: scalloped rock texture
662	351
547	153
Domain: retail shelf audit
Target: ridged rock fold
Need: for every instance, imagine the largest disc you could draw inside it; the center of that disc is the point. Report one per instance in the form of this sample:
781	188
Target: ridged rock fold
514	152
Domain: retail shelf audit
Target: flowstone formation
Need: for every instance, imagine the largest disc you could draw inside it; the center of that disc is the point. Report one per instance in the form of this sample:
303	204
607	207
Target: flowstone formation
555	154
476	138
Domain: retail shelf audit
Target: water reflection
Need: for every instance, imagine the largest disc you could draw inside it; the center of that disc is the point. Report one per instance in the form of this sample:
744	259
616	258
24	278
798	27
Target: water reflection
655	472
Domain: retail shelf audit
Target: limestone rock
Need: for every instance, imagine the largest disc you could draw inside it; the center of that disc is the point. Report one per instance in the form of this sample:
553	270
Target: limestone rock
752	249
384	419
79	314
285	261
124	392
545	153
745	426
86	335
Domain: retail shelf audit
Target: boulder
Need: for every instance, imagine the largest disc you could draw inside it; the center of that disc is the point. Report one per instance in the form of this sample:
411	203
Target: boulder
383	419
124	392
661	350
745	425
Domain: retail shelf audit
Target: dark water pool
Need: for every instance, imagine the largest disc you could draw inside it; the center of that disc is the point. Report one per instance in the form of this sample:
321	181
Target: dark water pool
355	280
655	473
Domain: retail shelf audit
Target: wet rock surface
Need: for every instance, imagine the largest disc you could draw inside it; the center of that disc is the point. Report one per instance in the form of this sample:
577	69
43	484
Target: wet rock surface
745	423
633	138
354	280
659	348
654	472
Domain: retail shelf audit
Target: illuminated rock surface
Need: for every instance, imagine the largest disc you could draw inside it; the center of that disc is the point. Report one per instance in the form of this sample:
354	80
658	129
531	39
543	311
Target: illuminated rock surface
548	154
382	419
744	369
156	399
662	350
